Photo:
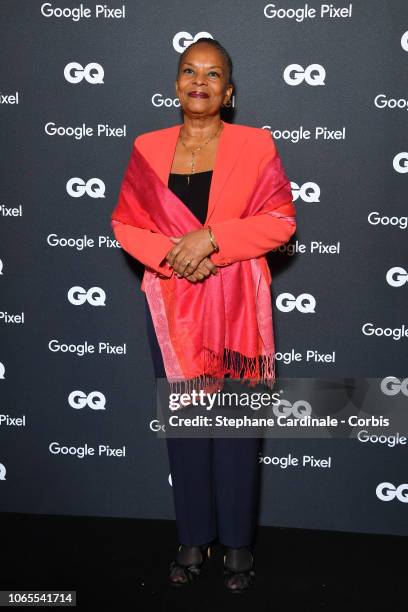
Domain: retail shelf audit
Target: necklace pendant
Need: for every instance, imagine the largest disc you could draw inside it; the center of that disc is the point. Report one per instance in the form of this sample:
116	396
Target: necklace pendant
188	179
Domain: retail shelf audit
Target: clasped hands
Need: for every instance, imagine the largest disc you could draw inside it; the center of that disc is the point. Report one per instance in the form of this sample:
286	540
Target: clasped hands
189	257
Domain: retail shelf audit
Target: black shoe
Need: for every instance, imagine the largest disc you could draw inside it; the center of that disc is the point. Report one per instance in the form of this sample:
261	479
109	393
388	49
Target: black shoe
238	569
188	564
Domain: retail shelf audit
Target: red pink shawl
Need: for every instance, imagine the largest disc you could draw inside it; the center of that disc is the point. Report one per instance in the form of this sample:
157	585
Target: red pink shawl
194	322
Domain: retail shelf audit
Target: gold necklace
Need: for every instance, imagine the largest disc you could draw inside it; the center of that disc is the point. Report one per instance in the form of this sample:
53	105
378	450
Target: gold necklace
194	151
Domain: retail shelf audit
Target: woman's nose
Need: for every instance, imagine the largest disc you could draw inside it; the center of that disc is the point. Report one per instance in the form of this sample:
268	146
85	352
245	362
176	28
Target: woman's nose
200	79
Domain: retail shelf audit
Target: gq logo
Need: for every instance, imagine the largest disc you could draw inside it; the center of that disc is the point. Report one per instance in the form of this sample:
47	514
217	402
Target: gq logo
2	472
396	277
400	162
95	296
2	371
182	40
75	73
308	192
404	41
391	385
94	188
155	425
295	74
1	266
297	410
386	491
305	302
95	400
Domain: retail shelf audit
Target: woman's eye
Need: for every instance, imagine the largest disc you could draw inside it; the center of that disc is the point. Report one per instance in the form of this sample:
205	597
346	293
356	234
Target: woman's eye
212	72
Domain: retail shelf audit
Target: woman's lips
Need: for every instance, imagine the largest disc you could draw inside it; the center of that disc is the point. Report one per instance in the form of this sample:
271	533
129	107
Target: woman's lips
198	94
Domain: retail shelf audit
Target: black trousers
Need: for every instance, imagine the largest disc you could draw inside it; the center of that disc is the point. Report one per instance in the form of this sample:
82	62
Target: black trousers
215	480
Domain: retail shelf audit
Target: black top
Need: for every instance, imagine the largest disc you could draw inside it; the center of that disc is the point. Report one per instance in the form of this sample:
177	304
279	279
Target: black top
195	193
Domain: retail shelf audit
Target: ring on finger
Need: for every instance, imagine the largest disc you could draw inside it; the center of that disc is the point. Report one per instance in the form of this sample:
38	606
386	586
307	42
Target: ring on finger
186	266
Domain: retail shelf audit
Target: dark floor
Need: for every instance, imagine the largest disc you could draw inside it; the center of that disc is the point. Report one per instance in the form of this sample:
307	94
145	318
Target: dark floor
122	564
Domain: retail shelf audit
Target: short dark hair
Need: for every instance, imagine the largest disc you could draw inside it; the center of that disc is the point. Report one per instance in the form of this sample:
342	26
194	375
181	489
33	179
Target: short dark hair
213	43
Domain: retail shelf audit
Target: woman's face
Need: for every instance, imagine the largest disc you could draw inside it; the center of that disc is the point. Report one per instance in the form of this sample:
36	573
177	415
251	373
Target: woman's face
202	84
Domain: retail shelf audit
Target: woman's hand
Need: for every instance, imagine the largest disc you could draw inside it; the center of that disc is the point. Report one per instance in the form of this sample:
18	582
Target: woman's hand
203	270
192	248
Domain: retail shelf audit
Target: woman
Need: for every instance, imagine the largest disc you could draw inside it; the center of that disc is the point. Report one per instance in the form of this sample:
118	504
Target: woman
208	301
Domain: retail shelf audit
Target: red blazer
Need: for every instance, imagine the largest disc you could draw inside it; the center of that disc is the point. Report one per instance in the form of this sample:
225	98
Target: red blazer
241	155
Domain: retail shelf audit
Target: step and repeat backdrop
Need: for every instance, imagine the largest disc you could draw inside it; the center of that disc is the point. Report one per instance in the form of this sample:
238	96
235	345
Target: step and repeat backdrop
79	81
